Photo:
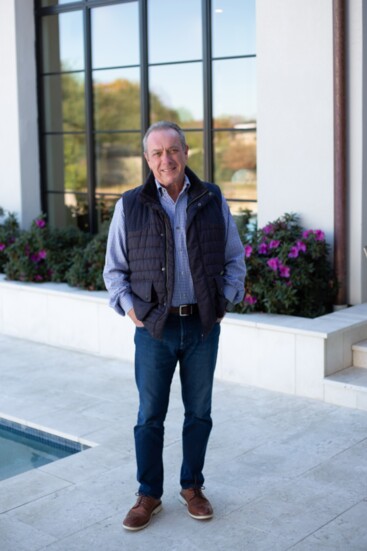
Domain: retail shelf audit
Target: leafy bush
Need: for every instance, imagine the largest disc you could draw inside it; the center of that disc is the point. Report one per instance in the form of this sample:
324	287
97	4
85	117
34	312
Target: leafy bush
9	231
63	245
288	269
43	254
87	268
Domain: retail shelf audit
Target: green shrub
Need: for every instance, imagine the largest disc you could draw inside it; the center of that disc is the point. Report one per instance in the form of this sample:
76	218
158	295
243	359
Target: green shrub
87	268
9	231
288	270
43	254
62	246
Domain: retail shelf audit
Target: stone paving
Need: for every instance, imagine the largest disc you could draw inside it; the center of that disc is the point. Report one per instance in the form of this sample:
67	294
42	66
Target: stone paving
282	472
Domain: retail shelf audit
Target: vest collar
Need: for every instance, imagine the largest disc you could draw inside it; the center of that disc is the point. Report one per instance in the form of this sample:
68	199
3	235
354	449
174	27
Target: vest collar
149	191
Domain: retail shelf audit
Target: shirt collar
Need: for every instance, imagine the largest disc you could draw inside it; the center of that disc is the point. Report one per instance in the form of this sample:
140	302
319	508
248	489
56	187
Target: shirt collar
186	185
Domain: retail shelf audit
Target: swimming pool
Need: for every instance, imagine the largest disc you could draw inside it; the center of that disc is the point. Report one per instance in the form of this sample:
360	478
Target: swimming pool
24	447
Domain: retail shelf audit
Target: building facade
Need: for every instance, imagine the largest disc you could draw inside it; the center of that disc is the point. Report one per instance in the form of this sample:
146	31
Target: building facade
251	82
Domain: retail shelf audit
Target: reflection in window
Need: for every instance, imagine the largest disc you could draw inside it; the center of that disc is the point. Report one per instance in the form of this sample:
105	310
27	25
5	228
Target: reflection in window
115	35
117	99
66	162
174	30
235	163
105	207
97	158
46	3
234	91
63	48
64	102
69	209
233	27
118	162
176	93
196	152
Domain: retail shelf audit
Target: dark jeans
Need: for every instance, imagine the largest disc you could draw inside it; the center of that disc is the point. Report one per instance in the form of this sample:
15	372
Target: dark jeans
155	363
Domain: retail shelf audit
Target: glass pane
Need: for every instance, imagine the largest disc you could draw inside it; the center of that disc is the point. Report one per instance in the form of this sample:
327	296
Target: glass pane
235	164
119	162
62	42
234	27
66	163
68	209
176	93
105	207
174	30
64	102
117	99
46	3
196	152
234	92
115	35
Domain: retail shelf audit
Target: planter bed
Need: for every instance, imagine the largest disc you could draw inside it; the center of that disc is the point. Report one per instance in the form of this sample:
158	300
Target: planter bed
281	353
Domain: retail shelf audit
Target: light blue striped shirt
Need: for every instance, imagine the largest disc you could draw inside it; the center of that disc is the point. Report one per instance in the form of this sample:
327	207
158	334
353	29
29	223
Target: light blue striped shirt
116	270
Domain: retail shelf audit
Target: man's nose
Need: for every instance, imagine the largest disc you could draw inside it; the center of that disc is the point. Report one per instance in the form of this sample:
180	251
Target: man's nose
166	155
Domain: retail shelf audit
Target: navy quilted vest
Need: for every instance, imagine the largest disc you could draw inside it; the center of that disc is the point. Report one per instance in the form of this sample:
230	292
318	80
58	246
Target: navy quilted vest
150	249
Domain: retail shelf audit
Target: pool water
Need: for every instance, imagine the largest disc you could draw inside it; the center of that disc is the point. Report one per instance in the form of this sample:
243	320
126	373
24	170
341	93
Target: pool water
23	448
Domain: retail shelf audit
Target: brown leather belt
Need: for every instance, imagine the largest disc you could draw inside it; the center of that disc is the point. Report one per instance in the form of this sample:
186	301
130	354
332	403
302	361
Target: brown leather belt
184	309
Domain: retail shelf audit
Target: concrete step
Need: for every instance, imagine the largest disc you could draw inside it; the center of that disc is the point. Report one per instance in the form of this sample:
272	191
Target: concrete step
347	388
359	351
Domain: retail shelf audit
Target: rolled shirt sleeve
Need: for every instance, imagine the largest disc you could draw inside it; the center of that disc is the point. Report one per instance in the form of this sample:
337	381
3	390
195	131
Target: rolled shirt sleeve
116	269
235	267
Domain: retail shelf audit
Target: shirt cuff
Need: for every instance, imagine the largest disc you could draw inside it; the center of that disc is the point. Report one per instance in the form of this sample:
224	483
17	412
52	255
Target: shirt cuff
126	303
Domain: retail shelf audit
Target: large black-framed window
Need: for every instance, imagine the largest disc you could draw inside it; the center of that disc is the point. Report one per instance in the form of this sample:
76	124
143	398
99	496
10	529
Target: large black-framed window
109	68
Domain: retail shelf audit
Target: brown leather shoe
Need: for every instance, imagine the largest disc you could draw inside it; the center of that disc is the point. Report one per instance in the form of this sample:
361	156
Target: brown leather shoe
198	506
141	514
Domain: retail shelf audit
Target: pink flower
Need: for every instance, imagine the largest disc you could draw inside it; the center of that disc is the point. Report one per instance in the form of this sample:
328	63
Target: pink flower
263	248
40	223
250	299
274	244
319	235
293	253
273	263
41	255
38	278
2	246
296	249
301	246
284	271
248	251
268	229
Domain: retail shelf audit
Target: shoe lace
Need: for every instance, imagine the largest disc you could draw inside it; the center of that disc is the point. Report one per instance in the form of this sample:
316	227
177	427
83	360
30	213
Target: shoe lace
144	501
197	492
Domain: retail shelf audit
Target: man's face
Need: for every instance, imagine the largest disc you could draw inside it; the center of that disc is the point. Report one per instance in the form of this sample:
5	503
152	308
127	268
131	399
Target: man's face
166	157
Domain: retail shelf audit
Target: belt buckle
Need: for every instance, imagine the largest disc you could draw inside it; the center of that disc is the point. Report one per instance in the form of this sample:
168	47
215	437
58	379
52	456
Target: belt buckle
180	311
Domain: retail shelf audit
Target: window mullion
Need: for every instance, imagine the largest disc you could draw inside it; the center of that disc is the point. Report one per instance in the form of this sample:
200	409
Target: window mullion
89	121
207	90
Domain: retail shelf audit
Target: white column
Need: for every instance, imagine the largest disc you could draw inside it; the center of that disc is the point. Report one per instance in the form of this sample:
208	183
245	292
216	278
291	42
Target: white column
357	150
19	152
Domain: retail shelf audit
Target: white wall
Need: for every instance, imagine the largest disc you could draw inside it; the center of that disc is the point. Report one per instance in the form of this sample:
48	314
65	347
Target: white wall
19	158
295	111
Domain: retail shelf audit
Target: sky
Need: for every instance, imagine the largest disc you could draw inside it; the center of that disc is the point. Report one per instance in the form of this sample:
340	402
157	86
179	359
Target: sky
174	34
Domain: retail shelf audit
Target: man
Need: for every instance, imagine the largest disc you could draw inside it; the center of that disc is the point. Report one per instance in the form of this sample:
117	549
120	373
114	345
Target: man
174	262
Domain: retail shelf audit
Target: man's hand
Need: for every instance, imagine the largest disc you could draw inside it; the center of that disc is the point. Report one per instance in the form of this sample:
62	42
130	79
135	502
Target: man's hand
131	314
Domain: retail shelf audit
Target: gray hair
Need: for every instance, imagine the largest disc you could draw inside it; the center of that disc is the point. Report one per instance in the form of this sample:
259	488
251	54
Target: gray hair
164	125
